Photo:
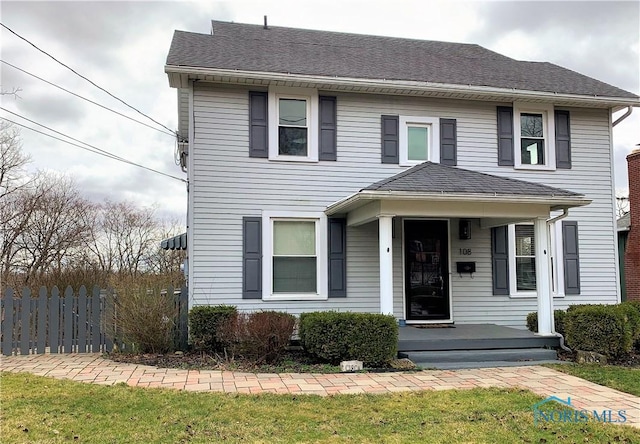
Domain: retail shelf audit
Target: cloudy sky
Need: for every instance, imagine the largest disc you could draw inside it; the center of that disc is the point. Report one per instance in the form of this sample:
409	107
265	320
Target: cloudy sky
122	46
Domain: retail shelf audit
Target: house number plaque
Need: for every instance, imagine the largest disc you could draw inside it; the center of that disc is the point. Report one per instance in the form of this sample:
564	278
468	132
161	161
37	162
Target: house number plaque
465	251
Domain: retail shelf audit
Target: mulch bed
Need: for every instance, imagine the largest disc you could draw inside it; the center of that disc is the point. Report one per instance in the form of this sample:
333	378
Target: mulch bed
292	362
631	360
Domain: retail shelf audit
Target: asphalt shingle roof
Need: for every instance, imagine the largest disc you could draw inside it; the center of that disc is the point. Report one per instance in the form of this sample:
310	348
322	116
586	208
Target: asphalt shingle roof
236	46
429	177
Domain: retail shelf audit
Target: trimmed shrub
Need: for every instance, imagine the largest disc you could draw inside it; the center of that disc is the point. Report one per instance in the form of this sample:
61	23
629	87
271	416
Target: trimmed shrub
260	337
205	322
338	336
558	316
632	310
603	329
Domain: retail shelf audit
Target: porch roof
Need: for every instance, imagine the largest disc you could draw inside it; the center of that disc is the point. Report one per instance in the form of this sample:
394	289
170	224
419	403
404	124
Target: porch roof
441	183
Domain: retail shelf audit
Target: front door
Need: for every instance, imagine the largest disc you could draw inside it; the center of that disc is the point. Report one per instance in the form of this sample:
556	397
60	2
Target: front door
426	259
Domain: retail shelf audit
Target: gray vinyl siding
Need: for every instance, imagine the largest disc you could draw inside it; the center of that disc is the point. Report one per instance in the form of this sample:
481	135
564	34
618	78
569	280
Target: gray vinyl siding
183	112
228	185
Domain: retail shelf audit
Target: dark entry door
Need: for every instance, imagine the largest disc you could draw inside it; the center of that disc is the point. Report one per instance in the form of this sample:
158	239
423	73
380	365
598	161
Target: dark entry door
426	269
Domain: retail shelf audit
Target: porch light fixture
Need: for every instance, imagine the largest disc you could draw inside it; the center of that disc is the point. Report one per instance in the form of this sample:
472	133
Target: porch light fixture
464	229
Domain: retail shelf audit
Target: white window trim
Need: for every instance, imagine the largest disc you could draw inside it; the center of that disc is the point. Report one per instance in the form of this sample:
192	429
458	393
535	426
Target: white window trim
268	218
434	138
549	131
311	96
555	240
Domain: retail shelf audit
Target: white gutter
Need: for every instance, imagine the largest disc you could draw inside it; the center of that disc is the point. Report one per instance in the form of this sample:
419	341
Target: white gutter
369	195
624	116
398	85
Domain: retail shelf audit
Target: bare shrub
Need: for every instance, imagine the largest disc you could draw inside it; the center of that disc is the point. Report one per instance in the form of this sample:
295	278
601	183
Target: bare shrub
143	315
260	337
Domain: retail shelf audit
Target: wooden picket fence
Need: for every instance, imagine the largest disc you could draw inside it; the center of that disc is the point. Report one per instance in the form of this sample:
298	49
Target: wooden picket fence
70	322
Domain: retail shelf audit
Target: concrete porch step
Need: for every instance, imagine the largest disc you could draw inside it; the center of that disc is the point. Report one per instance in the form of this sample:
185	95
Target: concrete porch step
426	358
485	364
470	337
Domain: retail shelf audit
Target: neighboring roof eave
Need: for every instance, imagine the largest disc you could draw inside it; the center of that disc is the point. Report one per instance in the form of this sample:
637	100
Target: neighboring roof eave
178	242
179	76
357	199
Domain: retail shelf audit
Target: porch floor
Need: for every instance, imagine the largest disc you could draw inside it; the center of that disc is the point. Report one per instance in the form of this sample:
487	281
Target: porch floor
470	337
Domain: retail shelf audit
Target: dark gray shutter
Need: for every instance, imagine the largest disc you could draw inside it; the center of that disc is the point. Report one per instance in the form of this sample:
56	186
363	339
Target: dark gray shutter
563	140
327	149
258	124
252	258
448	142
505	135
571	257
337	258
500	260
390	139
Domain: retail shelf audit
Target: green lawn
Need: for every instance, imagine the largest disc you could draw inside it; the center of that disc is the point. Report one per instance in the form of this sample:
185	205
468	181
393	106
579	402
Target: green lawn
37	409
625	379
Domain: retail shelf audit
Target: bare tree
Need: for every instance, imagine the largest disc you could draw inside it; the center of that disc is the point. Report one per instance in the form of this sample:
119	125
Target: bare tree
622	204
123	238
48	226
12	160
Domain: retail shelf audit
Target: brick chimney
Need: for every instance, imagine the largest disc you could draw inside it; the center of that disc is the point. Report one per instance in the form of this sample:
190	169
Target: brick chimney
632	255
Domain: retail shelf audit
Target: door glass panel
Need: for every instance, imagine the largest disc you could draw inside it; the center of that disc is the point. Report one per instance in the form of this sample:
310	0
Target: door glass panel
426	266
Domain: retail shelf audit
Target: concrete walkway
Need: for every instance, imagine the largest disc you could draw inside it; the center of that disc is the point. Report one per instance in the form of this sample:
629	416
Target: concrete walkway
93	368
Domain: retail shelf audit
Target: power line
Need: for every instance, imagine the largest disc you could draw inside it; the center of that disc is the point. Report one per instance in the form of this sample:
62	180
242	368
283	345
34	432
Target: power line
92	148
88	100
62	134
85	78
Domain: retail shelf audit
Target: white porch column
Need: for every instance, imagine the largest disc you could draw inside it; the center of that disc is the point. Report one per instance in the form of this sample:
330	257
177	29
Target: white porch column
385	236
543	277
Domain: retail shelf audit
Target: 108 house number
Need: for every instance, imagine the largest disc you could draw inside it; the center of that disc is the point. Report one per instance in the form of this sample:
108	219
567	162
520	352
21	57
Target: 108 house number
465	251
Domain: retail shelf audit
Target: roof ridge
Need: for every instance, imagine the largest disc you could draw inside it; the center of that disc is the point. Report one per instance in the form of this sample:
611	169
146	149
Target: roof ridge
354	34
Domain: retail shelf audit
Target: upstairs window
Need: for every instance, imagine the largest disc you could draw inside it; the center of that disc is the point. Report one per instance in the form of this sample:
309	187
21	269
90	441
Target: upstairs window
293	124
419	140
418	143
292	127
534	137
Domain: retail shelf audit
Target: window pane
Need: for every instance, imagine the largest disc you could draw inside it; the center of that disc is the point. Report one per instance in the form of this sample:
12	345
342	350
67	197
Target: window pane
526	273
293	112
532	151
294	275
525	241
531	125
418	138
292	141
292	238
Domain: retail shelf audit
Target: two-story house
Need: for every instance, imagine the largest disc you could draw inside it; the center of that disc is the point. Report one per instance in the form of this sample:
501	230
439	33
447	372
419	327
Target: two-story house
438	182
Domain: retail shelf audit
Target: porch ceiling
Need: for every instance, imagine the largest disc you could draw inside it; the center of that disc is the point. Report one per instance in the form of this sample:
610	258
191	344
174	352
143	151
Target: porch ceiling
434	190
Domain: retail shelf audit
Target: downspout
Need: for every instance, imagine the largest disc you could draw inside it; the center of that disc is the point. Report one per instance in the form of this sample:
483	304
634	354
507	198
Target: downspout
565	213
624	116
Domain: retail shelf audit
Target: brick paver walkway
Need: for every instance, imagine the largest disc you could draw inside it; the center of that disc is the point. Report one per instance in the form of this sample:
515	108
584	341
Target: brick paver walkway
93	368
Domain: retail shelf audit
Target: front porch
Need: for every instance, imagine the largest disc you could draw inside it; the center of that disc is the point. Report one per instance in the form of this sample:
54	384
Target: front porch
459	245
474	345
